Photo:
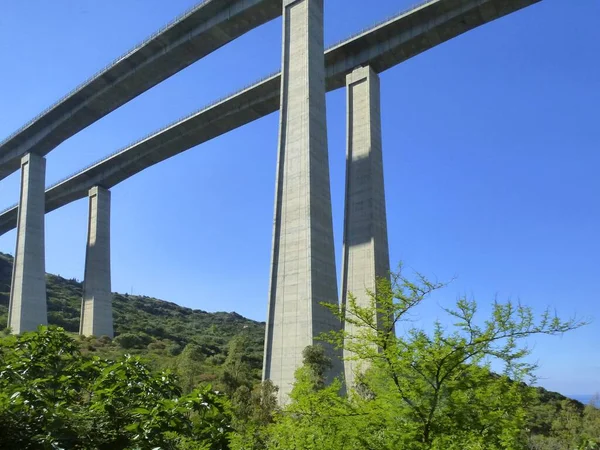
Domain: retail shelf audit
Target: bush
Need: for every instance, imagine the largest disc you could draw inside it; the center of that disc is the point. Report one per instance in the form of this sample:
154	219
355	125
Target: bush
156	346
174	349
131	340
104	340
52	396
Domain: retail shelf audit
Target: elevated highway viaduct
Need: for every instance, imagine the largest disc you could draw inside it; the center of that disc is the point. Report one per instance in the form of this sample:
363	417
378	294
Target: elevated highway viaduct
197	33
303	270
202	30
381	47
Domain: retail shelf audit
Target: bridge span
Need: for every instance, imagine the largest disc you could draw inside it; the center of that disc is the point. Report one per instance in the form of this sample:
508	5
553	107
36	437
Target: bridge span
303	270
380	47
197	33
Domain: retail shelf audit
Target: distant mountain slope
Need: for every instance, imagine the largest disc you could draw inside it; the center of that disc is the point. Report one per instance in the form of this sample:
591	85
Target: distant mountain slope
150	318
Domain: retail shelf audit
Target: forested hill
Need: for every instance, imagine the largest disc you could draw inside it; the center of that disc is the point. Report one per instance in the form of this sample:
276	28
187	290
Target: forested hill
160	330
143	321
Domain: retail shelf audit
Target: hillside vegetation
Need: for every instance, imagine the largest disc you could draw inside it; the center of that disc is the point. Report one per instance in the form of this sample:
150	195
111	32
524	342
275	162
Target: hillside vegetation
157	329
177	378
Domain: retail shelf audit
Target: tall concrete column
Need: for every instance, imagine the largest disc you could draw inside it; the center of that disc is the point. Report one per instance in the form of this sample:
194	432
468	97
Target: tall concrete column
27	308
366	253
303	262
96	306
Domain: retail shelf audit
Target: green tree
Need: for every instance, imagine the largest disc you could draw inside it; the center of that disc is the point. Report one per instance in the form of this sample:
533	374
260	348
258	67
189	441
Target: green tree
253	414
236	370
42	375
189	366
572	427
132	340
52	396
252	405
591	424
316	364
435	390
317	417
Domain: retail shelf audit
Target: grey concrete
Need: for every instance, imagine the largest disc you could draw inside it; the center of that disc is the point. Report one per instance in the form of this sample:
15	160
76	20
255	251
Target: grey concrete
96	305
204	29
303	271
366	253
27	307
381	47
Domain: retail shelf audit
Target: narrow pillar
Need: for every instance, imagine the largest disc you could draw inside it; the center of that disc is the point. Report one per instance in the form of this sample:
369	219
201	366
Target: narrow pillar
96	306
303	270
27	308
366	253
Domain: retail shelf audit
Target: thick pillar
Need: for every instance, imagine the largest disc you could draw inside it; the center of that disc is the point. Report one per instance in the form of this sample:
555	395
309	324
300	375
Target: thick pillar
27	308
96	306
303	263
366	253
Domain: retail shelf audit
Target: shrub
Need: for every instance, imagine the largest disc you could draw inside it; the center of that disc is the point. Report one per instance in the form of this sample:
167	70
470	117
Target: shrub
132	340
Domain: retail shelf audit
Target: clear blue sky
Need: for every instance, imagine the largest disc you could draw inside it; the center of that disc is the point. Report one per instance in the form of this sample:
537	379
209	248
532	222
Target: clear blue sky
491	159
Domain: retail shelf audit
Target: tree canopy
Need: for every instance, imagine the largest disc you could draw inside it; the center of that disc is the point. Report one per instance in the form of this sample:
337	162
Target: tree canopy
416	390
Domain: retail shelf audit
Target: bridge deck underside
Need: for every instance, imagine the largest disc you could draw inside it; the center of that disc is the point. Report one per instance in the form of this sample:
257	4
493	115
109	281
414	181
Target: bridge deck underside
382	47
209	27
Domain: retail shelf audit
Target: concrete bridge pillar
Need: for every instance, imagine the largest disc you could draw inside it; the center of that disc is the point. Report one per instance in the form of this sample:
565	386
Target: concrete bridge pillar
96	305
27	308
303	270
366	253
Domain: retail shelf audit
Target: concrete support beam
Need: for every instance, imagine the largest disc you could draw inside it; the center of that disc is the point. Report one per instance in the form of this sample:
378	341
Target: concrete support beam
303	264
382	47
27	308
366	253
96	306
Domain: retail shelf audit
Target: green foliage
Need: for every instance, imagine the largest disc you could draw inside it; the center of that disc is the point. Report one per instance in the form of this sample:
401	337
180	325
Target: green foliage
441	381
421	390
157	330
316	364
254	412
317	417
252	405
129	341
143	320
565	424
52	396
189	366
237	372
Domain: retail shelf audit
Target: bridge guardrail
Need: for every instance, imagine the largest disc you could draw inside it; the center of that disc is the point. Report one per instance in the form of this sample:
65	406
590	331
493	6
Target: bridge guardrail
381	22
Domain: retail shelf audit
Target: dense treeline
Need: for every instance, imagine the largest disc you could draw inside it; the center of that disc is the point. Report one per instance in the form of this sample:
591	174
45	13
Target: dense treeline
419	390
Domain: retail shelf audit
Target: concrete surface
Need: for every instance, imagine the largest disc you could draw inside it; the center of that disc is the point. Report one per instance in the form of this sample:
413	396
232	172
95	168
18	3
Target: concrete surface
366	252
207	27
96	305
303	263
380	47
27	307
